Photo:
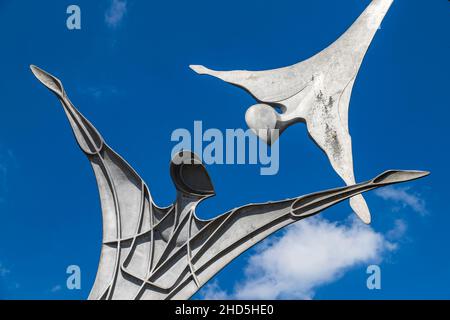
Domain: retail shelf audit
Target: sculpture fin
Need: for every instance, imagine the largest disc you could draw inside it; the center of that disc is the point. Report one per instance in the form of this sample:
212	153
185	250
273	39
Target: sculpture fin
88	138
346	53
128	210
315	202
316	91
51	82
398	176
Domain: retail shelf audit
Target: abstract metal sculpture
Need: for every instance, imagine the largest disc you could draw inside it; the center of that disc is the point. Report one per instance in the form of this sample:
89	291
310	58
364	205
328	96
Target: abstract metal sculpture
315	91
150	252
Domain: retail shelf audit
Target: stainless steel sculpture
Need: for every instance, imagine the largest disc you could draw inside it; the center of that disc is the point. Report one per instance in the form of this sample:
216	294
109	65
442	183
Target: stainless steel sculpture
150	252
315	91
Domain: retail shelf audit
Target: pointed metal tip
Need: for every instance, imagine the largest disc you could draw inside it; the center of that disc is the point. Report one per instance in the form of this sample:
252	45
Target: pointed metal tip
397	176
424	173
36	70
200	69
365	220
48	80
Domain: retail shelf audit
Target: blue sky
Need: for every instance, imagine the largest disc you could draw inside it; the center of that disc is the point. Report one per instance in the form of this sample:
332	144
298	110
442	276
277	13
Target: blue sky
127	71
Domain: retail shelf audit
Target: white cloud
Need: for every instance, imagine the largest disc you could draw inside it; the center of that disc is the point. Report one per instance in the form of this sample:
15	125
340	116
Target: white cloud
7	278
402	196
56	288
398	231
4	271
115	13
309	254
212	291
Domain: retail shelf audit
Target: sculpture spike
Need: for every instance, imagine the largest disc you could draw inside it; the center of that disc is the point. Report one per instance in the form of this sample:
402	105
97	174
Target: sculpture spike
315	91
89	140
48	80
398	176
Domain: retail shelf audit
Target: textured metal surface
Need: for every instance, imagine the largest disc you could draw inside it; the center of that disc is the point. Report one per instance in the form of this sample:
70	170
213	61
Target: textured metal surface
315	91
150	252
